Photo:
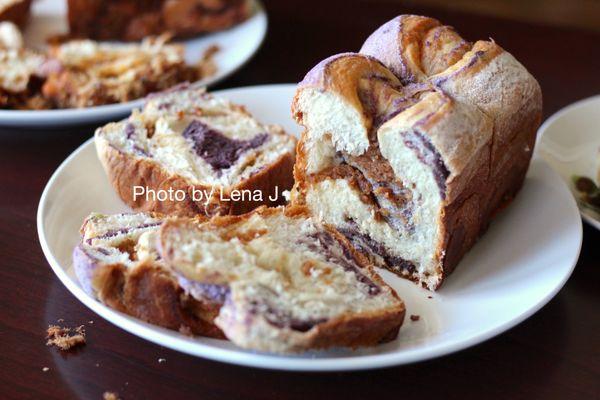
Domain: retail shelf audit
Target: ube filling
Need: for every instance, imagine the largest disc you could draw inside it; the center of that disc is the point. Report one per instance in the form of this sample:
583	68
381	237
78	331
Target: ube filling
217	149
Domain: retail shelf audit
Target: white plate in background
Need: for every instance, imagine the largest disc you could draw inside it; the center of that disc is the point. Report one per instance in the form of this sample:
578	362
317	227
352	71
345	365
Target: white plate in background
522	261
237	45
570	142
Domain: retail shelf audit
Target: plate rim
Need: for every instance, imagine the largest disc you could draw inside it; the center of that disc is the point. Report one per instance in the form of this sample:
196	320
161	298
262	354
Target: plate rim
76	116
542	132
241	357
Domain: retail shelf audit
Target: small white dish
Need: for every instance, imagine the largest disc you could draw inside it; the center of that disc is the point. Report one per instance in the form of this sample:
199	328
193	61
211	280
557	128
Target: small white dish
237	45
570	142
518	265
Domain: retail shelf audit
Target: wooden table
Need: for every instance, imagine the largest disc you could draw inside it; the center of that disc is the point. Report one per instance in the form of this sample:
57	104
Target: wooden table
554	354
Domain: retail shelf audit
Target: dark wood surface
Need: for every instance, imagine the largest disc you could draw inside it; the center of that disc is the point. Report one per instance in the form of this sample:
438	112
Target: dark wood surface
554	354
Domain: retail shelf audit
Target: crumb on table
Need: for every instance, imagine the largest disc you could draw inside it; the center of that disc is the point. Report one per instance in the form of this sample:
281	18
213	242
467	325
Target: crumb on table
414	317
65	338
110	396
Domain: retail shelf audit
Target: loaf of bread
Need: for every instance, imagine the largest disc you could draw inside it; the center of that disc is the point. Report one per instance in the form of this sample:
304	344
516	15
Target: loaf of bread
16	11
291	283
136	19
117	262
411	146
189	142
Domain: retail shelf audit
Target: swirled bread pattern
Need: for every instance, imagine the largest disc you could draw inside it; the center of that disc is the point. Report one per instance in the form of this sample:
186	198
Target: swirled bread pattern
413	144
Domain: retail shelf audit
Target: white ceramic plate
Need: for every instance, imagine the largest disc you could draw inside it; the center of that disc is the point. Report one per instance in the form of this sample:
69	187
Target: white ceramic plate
237	45
517	267
570	142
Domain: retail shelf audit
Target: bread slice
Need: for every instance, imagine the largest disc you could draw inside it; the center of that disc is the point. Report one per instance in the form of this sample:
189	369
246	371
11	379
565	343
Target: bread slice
291	284
95	73
205	147
412	147
117	263
20	72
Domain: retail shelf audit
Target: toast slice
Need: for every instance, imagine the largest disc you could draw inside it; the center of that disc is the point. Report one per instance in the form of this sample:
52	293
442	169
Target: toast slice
290	283
204	147
117	263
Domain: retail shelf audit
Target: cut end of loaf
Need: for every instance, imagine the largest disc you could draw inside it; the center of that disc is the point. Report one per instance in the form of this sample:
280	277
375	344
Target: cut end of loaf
445	144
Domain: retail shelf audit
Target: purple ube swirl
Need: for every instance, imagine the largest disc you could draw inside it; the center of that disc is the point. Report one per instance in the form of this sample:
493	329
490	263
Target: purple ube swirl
330	248
204	291
217	149
122	231
84	265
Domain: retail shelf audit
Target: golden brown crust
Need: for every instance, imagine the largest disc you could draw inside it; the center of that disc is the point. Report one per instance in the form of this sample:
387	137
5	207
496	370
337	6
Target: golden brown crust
149	293
271	181
367	330
126	171
18	12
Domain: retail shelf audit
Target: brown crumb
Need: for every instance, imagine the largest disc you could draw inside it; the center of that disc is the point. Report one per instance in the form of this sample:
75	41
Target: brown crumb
185	330
110	396
207	66
65	338
430	297
414	317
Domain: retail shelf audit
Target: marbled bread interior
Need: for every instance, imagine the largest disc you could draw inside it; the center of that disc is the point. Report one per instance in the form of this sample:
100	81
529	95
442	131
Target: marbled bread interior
186	138
413	145
117	262
90	73
291	284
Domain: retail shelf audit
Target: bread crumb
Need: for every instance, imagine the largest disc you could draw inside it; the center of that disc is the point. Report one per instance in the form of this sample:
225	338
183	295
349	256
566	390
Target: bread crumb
45	369
414	317
65	338
110	396
207	66
91	322
162	360
430	297
185	330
